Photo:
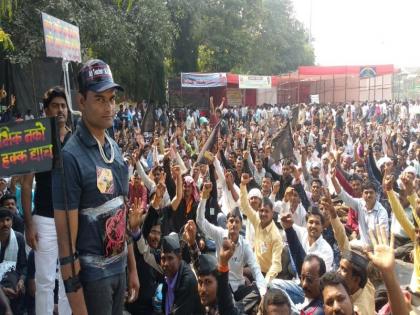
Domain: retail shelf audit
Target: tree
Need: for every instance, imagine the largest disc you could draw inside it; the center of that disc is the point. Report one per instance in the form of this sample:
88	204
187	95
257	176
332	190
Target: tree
184	16
248	36
6	12
282	43
5	40
226	32
146	41
133	42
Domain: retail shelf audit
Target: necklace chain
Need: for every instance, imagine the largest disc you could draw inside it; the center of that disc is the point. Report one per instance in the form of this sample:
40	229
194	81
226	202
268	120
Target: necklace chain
101	150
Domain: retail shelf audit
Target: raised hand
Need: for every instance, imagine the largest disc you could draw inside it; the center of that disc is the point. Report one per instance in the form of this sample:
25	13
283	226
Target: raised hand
12	100
287	221
176	172
160	192
190	232
206	190
245	179
229	179
226	252
140	140
135	214
156	141
383	251
296	173
388	169
267	151
407	183
328	204
333	168
339	153
209	156
276	189
167	154
388	182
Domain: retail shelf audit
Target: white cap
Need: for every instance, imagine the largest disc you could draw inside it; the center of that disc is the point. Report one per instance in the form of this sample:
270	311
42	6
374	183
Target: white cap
255	192
315	164
383	160
410	169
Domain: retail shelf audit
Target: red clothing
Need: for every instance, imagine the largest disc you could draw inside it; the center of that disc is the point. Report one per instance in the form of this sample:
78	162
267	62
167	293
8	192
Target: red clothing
352	221
213	120
138	191
352	218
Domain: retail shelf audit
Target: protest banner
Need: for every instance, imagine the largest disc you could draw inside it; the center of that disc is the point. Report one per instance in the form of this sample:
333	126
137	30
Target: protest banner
28	146
62	39
200	80
254	82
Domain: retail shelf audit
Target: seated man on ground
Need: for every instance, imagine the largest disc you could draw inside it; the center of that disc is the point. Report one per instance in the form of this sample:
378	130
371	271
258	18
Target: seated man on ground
268	243
247	295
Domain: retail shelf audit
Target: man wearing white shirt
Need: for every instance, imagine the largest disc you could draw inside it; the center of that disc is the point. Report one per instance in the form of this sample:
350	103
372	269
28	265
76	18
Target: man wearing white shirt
244	112
291	204
370	211
255	200
189	122
257	170
304	241
243	254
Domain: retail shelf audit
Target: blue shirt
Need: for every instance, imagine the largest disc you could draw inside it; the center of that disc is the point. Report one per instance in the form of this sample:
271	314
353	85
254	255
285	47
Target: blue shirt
97	190
170	295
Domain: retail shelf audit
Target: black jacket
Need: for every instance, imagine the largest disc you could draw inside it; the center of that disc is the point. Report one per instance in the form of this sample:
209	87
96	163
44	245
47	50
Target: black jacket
187	301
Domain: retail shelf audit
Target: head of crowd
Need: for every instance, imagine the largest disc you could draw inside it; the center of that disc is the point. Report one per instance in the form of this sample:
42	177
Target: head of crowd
275	209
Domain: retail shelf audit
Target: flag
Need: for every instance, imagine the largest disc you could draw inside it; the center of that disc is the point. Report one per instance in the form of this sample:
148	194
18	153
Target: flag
295	115
283	144
148	122
209	145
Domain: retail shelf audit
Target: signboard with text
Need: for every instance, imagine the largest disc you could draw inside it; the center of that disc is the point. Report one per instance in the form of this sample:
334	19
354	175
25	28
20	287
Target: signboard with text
62	39
314	98
234	97
203	80
27	146
254	82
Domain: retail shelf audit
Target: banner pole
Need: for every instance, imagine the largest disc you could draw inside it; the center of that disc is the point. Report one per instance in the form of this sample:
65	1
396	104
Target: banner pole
65	65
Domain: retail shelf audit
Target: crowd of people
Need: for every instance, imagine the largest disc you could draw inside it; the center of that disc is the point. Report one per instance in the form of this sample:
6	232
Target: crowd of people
206	213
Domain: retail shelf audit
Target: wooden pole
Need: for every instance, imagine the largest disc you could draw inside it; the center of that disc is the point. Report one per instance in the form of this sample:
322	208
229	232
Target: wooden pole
374	88
345	87
298	91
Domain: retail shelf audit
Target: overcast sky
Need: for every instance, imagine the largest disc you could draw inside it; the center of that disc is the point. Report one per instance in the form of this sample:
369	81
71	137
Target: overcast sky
362	32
